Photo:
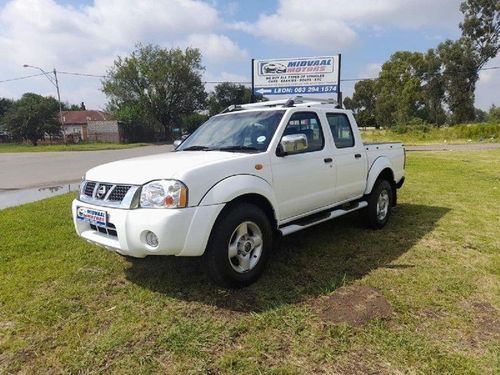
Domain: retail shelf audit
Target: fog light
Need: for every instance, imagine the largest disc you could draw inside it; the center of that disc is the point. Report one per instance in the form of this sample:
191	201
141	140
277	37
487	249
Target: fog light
151	239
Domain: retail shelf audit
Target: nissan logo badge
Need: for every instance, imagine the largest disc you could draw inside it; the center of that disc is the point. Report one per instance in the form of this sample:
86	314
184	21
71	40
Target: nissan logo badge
101	192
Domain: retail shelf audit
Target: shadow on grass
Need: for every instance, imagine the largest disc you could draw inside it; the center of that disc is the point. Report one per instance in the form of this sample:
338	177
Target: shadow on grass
306	264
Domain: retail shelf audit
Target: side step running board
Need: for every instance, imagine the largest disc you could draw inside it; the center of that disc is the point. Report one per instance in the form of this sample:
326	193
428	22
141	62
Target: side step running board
295	227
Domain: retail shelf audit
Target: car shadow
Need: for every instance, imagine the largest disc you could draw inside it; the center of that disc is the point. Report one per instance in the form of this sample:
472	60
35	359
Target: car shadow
306	264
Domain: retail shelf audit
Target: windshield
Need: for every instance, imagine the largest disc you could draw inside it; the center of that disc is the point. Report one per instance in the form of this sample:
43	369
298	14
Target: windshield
244	131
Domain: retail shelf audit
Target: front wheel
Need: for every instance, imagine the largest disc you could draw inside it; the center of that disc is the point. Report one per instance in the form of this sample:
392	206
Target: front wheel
379	204
239	246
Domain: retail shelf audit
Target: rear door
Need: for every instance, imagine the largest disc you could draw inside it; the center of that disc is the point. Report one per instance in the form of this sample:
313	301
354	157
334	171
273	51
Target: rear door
304	181
349	158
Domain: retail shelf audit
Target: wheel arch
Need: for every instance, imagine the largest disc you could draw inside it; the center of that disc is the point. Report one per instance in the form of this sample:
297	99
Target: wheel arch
243	188
382	169
258	200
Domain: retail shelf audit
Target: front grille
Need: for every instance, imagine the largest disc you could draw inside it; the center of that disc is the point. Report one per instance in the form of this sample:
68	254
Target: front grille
105	191
89	188
110	229
119	193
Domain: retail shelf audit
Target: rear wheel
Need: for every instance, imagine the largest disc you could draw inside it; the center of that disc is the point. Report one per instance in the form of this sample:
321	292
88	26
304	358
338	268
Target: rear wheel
380	202
239	246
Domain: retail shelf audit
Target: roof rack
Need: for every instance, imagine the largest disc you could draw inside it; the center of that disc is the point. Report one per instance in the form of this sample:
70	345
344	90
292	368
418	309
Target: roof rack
286	103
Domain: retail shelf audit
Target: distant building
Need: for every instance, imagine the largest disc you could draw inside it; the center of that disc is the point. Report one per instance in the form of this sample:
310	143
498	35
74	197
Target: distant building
94	126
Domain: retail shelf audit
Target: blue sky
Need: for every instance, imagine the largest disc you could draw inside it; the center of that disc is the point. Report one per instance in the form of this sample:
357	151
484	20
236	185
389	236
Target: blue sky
86	36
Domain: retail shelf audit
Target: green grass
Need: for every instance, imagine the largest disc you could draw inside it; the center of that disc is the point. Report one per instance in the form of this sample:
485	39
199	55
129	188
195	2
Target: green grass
67	306
429	135
14	147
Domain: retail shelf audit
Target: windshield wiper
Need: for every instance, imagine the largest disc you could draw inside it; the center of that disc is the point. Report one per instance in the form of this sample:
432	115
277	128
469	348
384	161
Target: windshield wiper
197	148
238	148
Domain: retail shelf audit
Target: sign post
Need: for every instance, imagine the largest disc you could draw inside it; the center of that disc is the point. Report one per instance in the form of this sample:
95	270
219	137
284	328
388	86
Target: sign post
339	93
297	76
252	95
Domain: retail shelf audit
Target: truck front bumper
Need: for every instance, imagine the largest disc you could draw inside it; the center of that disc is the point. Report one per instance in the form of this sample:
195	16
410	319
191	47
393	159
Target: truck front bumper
181	232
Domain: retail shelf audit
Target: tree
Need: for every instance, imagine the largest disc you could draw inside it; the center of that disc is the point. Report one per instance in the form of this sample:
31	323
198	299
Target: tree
462	59
481	27
193	121
159	85
434	89
460	76
33	116
349	104
226	94
364	101
480	115
494	114
400	92
5	105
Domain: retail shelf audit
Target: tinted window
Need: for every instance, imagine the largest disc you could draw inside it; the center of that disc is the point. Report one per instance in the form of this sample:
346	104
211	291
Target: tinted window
341	130
307	123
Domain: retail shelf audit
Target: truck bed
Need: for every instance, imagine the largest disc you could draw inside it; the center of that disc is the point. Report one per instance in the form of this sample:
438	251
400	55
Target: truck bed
392	150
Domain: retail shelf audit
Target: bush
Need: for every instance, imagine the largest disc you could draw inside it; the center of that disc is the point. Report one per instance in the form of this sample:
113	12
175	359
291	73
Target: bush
494	114
415	125
477	131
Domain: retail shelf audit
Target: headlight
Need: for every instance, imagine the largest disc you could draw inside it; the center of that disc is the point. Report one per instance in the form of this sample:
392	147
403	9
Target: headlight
164	194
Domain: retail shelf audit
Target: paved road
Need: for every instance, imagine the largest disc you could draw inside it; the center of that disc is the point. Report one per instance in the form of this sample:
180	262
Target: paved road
37	169
462	147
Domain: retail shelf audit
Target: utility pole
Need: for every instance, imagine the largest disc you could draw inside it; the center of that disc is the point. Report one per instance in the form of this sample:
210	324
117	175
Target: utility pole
55	82
60	106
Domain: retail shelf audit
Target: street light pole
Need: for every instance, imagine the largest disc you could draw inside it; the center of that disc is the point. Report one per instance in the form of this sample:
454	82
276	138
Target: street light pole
55	82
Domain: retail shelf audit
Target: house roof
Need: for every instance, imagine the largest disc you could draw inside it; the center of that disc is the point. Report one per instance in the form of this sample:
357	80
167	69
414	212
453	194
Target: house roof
82	117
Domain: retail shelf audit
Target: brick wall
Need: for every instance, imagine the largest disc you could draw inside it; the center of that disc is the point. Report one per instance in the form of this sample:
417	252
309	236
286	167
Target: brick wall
103	131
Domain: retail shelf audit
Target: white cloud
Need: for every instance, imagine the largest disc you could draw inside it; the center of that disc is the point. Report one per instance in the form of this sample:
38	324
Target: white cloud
88	38
217	48
335	23
488	86
371	70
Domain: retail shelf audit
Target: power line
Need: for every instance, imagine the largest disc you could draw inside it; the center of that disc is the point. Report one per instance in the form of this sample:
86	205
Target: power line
84	74
20	78
241	82
217	82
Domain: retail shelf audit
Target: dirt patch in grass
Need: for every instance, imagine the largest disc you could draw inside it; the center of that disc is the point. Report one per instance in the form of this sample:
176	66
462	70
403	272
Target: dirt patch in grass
487	326
355	305
362	361
6	324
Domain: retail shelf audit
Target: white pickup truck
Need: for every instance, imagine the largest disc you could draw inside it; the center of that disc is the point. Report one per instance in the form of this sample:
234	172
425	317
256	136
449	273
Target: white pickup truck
249	174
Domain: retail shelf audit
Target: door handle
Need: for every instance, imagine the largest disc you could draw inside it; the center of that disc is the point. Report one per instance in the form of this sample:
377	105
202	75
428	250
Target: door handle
357	156
328	160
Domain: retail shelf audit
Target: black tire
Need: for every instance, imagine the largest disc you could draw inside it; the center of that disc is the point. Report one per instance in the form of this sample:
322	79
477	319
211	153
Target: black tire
374	216
216	259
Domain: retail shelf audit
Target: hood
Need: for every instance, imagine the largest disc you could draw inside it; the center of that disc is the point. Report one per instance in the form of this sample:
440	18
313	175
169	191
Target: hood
138	171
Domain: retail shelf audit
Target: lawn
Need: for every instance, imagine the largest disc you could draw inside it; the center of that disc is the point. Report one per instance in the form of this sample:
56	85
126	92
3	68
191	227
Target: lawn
14	147
67	306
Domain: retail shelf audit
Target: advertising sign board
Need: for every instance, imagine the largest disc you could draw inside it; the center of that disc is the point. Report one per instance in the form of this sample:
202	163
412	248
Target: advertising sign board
296	76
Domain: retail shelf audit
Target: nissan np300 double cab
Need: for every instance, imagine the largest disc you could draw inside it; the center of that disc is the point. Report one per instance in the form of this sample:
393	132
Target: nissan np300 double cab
246	175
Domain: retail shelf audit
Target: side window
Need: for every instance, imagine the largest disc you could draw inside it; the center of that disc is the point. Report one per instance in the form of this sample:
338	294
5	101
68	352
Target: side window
341	130
307	123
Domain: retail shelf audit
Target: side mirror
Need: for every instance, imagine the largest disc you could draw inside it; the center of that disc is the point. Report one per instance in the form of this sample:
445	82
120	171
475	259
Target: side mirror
177	143
292	144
